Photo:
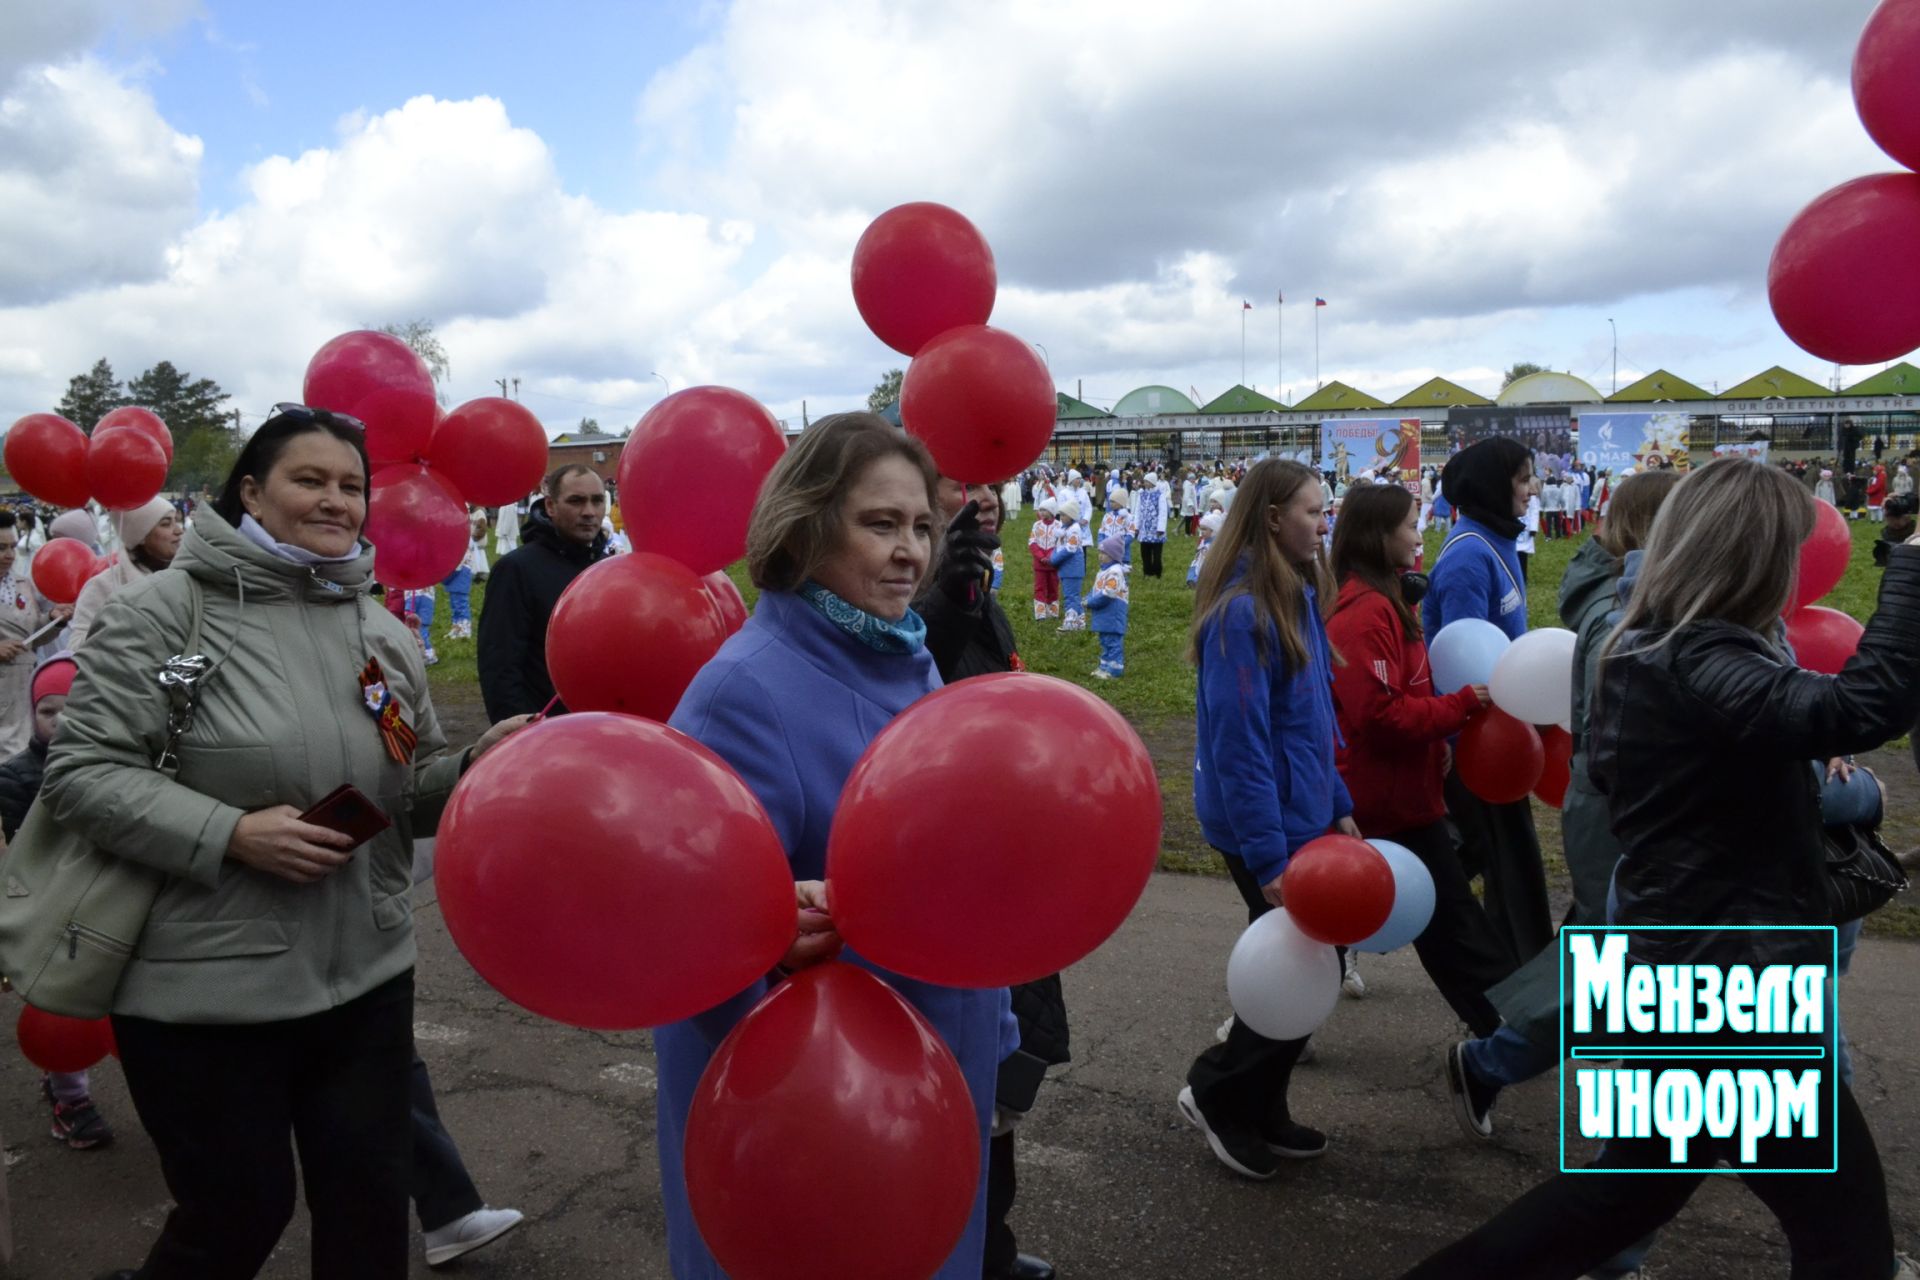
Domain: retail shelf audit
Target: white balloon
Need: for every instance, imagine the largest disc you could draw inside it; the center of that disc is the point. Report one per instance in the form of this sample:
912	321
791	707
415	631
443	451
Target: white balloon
1464	653
1533	680
1280	982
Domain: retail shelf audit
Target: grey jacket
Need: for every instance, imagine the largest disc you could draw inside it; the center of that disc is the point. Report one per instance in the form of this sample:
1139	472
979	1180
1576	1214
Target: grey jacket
281	720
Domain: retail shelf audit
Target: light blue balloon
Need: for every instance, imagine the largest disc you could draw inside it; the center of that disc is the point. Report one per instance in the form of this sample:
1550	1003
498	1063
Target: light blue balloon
1412	899
1464	653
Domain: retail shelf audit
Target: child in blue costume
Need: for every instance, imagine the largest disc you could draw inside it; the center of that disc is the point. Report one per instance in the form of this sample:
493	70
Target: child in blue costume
1070	544
1107	607
790	702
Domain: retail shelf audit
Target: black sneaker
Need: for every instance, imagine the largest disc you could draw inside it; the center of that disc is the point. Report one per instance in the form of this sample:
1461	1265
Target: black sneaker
1296	1142
1244	1153
78	1124
1472	1100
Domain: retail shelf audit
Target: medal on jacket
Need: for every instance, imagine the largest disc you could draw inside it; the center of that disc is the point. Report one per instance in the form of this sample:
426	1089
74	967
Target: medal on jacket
394	729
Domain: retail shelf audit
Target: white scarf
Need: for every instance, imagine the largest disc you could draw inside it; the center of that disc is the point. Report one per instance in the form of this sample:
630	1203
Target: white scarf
257	534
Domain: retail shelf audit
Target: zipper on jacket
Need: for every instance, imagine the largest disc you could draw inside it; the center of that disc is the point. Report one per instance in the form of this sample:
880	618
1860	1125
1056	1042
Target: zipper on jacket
94	938
346	762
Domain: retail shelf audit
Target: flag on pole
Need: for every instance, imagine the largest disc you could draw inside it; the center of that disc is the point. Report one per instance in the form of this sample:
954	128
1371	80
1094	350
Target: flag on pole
1280	296
1245	305
1319	302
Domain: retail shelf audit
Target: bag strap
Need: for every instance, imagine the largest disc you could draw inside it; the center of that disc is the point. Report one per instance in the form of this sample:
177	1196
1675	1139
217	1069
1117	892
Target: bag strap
1468	533
181	677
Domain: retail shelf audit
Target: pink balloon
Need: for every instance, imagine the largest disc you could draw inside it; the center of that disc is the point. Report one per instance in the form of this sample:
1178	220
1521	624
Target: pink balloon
494	451
417	523
1823	639
378	379
691	472
1845	277
1823	556
1885	88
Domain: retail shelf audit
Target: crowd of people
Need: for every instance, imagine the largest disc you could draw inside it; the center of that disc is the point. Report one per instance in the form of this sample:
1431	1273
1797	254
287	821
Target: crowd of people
263	1010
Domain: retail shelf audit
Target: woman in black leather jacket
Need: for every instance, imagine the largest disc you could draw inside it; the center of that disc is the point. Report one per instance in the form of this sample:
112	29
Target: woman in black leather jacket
1703	731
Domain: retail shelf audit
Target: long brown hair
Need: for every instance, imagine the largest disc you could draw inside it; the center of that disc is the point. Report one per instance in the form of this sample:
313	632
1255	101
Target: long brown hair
1631	510
1277	587
1370	515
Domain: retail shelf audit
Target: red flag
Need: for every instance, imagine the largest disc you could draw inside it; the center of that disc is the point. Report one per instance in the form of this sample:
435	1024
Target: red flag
1245	305
1280	296
1319	302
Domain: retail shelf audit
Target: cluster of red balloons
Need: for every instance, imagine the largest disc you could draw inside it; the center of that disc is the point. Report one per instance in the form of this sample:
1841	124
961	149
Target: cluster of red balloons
1844	281
55	1042
427	466
980	398
122	465
1822	638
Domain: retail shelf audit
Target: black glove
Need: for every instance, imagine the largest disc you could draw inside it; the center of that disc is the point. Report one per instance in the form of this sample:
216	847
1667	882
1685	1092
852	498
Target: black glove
965	572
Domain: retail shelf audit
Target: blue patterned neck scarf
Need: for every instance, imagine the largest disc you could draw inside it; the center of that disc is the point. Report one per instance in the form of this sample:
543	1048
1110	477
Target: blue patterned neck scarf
909	635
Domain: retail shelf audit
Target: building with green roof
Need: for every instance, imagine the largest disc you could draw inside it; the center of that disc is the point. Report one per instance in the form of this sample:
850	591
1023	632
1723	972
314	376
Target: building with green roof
1242	399
1657	386
1072	408
1435	392
1777	383
1337	395
1150	401
1896	380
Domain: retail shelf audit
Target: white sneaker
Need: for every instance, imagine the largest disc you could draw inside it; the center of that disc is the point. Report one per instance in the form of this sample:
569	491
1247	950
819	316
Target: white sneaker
1350	980
463	1235
1224	1030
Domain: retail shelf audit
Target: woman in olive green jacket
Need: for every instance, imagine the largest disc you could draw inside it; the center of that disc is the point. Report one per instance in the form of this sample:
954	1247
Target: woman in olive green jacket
269	999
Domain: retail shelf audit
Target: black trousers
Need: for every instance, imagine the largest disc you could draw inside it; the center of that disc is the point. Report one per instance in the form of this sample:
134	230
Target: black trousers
1499	845
1242	1085
1836	1224
227	1106
443	1192
1002	1187
1151	554
1460	949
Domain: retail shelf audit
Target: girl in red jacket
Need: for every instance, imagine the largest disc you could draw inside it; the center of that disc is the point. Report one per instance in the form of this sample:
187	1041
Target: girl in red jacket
1395	733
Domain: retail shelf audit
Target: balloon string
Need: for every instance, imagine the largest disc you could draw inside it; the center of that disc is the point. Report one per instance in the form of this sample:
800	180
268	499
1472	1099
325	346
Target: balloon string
551	703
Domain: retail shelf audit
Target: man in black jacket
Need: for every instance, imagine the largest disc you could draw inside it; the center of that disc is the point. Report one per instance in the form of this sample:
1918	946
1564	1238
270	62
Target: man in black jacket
562	538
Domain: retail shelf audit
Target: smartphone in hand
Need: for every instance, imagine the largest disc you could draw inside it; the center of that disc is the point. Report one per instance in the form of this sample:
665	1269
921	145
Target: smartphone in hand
348	811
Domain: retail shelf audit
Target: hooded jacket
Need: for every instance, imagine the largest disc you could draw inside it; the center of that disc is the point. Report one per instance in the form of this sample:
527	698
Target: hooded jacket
123	572
1264	781
1394	728
522	590
1590	598
280	720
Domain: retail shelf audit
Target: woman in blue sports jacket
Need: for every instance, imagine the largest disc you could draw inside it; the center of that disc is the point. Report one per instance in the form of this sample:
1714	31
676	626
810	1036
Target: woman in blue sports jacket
1264	781
1477	575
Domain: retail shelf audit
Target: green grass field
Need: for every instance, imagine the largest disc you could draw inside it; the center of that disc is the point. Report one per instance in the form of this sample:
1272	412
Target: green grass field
1157	692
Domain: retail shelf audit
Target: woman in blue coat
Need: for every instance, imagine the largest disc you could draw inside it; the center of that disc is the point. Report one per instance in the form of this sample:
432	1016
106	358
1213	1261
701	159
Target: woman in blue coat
1477	575
840	540
1264	780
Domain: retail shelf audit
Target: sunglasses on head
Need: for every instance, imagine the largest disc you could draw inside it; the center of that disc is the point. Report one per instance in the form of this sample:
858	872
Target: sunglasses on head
325	417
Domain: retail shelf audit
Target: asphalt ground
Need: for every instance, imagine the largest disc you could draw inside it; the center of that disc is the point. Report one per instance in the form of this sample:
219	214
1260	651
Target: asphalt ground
560	1123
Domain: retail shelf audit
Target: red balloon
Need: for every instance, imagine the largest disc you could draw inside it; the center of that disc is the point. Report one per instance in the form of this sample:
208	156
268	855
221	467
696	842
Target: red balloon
727	599
1845	277
612	906
417	523
378	379
833	1071
47	456
919	270
630	634
1823	556
1058	885
1823	639
142	420
61	568
1500	759
1339	889
1883	83
493	450
691	472
52	1042
1557	775
983	402
126	468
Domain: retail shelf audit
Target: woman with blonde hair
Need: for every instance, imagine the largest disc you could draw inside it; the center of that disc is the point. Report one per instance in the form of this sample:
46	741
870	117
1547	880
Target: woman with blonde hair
1264	781
1701	734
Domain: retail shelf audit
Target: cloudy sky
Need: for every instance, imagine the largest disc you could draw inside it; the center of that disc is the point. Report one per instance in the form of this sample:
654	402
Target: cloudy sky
586	195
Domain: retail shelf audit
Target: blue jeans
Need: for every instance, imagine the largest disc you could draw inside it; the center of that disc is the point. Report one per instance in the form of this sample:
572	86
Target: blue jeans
421	605
459	585
1113	652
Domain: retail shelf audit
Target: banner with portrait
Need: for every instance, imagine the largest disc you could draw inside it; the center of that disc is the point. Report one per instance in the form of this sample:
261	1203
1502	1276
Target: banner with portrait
1546	430
1626	443
1387	447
